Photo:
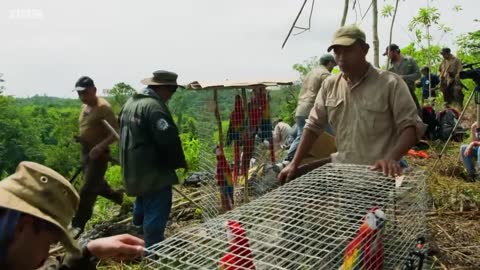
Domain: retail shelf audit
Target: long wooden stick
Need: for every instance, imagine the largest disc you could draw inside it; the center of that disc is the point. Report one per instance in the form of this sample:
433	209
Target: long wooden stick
114	132
245	113
293	24
217	117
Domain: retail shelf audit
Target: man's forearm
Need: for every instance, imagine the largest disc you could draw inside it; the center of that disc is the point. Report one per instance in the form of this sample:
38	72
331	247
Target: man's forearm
105	143
411	77
306	143
407	139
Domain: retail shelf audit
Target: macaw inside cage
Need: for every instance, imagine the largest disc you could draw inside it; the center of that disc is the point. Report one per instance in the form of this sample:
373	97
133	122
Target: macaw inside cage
338	216
236	146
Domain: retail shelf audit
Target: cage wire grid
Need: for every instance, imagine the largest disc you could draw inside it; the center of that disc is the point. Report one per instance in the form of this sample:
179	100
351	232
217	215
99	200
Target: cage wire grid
305	224
261	179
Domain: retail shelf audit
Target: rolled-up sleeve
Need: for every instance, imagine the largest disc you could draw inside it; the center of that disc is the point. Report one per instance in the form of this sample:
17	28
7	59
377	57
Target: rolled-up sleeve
405	113
317	120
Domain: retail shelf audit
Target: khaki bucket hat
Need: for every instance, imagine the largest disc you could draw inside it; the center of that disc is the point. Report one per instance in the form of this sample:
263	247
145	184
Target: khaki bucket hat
346	36
39	191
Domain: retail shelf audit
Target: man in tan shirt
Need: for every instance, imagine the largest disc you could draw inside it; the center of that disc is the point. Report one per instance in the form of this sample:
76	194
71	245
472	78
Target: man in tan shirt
95	139
281	132
307	95
373	115
450	84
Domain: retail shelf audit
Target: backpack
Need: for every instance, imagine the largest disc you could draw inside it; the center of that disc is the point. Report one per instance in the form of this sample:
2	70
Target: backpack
447	119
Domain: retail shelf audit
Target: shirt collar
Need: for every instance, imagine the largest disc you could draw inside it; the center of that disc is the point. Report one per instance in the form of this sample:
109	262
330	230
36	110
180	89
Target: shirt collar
369	71
150	92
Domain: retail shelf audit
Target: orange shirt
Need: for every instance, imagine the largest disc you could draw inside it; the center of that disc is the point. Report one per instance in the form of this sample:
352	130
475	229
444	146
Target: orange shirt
92	129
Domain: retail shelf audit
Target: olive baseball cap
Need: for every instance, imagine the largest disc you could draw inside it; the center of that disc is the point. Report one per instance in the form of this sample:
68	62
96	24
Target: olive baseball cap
41	192
346	36
392	48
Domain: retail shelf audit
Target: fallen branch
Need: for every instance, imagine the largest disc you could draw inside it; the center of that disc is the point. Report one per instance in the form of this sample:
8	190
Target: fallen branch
453	213
466	247
55	250
441	264
445	232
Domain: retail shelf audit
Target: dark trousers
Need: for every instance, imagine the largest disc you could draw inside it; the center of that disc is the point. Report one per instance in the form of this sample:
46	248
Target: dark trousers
152	211
415	99
452	93
94	185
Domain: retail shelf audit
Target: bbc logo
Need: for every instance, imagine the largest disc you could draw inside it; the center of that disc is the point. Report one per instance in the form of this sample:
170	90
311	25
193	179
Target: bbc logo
25	14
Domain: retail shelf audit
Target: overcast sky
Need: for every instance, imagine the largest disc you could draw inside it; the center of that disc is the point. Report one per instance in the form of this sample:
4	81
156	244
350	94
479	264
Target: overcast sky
47	44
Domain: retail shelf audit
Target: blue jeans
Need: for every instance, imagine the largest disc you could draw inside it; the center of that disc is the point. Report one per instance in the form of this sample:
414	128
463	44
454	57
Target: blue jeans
300	120
469	161
152	211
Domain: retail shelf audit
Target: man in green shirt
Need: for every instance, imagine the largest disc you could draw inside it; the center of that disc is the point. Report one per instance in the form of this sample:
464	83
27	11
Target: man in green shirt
406	67
150	152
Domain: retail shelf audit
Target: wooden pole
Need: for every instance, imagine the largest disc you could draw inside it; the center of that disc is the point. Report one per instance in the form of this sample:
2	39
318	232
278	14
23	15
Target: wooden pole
246	131
217	116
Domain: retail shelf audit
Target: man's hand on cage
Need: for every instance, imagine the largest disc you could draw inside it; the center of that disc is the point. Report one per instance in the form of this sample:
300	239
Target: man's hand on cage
119	247
389	167
287	174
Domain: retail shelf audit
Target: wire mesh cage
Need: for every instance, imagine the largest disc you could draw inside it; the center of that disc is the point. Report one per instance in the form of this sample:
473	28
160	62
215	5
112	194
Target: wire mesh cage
236	149
338	216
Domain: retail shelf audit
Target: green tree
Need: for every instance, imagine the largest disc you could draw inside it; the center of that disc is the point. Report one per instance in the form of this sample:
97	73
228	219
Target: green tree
420	54
19	136
469	44
307	65
469	52
120	92
2	87
184	102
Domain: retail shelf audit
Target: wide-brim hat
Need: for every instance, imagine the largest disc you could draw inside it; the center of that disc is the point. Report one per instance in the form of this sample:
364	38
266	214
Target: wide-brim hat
162	77
43	193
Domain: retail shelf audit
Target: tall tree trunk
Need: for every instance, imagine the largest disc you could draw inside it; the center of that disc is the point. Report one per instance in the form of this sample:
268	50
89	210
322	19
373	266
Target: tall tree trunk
376	54
391	28
345	12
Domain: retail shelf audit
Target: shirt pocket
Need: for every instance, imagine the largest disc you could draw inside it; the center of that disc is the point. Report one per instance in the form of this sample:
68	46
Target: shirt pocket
335	109
375	117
